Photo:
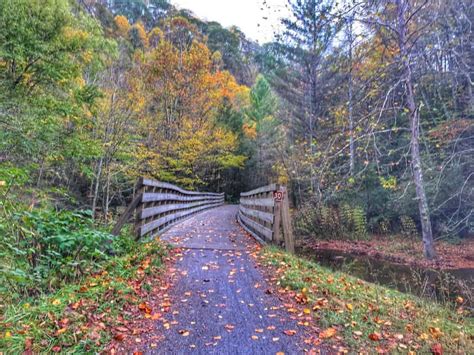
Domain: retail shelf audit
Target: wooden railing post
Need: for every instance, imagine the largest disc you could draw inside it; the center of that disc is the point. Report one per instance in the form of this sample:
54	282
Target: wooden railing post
286	221
141	188
124	218
265	213
277	219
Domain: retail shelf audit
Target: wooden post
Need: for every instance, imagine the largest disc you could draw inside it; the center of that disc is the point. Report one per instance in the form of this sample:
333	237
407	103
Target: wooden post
286	220
138	221
130	208
277	219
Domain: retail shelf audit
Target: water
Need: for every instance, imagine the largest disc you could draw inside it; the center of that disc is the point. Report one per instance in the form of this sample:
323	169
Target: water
443	286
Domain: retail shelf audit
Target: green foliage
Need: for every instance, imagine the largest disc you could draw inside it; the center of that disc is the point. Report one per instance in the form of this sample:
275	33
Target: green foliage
50	248
108	292
408	226
324	221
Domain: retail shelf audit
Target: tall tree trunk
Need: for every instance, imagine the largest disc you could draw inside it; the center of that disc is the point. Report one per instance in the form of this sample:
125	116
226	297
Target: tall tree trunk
428	244
350	103
97	184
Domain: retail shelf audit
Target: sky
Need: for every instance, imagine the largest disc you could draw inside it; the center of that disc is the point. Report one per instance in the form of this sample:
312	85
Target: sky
257	20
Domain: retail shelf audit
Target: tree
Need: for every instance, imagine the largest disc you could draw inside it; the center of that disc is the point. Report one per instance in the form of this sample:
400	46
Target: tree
44	52
184	91
261	127
306	41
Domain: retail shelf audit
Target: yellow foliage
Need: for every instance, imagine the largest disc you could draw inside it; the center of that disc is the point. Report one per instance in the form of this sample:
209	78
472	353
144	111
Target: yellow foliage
155	36
250	130
72	34
137	33
180	93
123	26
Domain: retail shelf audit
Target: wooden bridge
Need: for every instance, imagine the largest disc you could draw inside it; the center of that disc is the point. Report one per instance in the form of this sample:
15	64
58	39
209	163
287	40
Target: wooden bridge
157	206
221	296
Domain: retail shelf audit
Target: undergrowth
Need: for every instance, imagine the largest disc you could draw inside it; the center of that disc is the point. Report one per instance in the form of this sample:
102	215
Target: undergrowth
80	317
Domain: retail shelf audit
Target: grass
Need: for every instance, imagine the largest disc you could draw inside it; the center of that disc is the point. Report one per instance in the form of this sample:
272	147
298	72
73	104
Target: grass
80	318
368	317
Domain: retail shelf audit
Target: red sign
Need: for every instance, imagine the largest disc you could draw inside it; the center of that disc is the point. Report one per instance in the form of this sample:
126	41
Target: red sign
278	196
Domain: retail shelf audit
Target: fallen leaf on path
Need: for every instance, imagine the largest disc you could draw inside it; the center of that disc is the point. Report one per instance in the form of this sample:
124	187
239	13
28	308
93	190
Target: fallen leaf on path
328	333
184	333
119	337
144	307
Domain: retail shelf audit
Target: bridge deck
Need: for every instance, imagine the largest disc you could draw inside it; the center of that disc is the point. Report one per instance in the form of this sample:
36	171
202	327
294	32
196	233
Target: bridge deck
220	297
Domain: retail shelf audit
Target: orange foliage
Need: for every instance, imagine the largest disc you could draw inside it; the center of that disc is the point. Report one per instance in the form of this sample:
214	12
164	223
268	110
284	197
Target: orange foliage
123	26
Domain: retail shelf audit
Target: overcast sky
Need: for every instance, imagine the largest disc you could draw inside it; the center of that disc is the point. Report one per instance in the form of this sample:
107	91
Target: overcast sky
248	15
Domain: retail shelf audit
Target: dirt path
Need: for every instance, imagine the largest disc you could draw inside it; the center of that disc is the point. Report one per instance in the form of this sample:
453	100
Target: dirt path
220	302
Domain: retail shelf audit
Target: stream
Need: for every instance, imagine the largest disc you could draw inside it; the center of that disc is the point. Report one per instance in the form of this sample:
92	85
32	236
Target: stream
442	286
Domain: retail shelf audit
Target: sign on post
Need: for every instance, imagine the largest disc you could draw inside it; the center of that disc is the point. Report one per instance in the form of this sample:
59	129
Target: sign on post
278	195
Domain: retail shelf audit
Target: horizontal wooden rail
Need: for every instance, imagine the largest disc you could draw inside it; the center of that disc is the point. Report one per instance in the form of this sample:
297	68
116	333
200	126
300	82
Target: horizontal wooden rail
160	205
265	213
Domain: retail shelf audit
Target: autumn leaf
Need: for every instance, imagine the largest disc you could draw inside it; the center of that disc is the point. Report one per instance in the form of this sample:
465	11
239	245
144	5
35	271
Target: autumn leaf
156	316
290	332
435	332
375	336
328	333
437	349
60	331
145	308
119	337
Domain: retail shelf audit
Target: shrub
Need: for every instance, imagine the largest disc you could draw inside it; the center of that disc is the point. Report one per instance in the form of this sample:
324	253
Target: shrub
331	222
51	248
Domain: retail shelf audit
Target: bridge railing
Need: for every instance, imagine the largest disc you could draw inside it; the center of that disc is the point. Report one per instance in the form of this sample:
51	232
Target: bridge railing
265	213
159	205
